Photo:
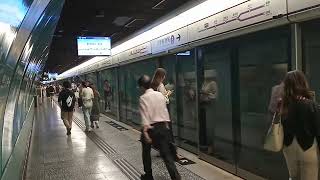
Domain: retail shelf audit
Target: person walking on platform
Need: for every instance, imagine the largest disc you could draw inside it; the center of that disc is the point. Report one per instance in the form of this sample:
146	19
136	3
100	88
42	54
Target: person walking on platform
300	120
67	102
95	112
87	99
155	129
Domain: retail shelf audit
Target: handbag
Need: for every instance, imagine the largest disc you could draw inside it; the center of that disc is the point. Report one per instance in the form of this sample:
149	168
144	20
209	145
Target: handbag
274	139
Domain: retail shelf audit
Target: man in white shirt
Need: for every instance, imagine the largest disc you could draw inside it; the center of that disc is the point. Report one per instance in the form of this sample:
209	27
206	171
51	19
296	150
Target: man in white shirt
87	97
155	129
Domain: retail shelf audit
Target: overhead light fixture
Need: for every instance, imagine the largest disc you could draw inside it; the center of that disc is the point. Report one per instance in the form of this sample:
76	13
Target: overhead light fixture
194	14
158	6
134	22
114	34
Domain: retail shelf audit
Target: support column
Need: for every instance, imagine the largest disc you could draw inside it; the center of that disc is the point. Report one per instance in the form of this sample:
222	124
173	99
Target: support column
296	47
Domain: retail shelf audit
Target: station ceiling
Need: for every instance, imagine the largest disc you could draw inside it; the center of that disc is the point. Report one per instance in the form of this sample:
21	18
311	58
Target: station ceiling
112	18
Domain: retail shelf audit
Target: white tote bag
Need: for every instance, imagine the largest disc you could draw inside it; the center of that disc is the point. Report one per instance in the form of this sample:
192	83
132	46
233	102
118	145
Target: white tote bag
274	138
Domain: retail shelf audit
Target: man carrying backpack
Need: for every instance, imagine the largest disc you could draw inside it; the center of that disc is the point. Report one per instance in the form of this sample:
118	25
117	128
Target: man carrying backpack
67	101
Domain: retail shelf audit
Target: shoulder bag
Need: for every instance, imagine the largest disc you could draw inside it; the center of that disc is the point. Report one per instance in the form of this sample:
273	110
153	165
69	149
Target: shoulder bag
275	135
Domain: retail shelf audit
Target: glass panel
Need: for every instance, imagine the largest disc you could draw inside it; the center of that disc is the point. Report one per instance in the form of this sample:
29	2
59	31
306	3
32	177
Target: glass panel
311	54
122	93
169	64
186	101
215	103
263	62
108	89
129	91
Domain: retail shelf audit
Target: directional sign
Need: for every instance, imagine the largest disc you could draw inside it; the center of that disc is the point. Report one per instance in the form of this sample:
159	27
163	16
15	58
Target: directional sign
248	13
106	62
170	40
136	52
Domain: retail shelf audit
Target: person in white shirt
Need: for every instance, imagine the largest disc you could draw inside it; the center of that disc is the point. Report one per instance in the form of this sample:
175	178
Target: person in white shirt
87	97
155	129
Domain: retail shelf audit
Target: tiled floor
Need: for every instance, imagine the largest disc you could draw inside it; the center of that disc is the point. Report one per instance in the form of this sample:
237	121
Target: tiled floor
105	153
127	145
53	155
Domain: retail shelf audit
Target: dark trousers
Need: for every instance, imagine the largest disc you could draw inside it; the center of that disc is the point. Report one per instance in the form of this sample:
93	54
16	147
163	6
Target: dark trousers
161	139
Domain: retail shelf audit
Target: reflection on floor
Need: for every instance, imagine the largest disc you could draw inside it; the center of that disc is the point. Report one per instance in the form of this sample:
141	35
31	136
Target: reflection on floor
53	155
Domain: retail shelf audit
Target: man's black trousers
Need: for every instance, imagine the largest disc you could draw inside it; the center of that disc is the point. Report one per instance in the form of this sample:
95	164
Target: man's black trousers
161	139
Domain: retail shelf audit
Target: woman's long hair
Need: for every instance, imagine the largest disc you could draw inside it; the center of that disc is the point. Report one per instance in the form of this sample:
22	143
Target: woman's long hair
295	85
158	76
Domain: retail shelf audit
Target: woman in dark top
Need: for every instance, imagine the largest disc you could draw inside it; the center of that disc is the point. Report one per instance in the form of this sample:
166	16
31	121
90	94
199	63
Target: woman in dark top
300	126
95	112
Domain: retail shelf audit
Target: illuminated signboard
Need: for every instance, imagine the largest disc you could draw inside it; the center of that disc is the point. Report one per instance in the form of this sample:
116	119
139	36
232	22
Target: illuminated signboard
94	46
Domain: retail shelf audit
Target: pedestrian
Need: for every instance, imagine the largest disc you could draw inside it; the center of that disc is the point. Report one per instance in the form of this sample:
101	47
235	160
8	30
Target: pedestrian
95	112
87	100
157	83
47	91
107	96
67	102
301	128
155	129
80	103
51	90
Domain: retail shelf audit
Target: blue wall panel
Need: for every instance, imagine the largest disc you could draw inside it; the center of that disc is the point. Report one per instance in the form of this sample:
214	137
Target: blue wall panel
26	28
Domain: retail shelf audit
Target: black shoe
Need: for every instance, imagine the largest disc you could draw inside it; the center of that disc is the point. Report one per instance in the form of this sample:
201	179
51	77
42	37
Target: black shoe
68	131
146	177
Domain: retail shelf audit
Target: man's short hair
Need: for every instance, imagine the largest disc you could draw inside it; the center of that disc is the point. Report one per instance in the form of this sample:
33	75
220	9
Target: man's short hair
66	84
144	81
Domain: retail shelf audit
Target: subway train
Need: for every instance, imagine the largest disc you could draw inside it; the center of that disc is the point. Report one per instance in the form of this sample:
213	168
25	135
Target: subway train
241	50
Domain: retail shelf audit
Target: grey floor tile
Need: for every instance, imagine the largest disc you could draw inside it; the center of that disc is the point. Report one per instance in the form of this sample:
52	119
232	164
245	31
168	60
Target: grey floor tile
55	156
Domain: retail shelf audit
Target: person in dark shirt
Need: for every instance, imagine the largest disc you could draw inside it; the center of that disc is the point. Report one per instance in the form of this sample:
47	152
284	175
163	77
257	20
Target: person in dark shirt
67	101
301	128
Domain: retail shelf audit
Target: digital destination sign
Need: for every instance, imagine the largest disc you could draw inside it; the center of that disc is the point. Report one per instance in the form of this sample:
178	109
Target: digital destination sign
94	46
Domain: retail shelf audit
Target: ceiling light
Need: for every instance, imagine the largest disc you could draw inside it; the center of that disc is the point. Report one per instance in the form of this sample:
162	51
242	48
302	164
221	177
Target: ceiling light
158	6
134	22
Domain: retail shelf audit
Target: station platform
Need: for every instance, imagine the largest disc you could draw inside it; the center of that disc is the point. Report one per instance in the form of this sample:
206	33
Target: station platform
112	152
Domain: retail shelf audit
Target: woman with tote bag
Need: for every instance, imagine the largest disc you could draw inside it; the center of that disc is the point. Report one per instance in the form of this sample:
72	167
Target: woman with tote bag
299	118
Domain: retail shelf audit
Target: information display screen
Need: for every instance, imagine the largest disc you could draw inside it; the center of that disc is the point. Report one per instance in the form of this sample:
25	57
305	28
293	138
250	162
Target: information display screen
94	46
